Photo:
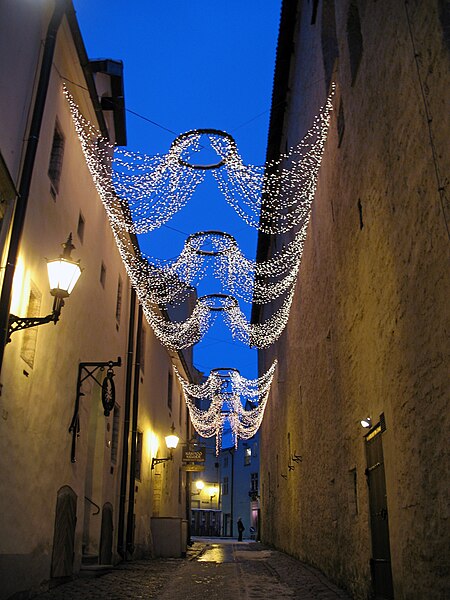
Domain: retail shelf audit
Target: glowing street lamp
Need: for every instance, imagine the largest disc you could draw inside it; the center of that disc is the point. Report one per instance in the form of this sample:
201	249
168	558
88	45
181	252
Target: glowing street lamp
63	274
171	442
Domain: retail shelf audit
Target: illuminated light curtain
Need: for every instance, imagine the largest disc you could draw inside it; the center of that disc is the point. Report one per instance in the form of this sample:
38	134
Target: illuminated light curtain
154	188
155	282
227	395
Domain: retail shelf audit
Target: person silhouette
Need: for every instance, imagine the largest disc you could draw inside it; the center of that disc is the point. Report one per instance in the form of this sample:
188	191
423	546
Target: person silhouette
241	528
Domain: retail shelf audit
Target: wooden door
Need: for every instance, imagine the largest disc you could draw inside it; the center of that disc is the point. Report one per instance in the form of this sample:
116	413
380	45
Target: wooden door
379	522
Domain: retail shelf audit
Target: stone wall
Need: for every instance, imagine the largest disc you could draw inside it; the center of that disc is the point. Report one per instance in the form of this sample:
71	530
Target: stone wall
368	331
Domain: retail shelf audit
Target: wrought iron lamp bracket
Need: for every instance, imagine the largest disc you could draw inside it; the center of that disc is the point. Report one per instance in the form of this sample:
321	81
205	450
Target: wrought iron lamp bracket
18	323
157	461
88	370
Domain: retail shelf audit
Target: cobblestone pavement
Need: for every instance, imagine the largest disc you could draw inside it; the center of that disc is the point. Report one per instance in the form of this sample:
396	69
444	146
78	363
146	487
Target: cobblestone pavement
214	568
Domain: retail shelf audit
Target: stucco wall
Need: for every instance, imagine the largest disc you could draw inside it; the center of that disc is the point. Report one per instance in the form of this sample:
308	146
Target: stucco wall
37	400
368	331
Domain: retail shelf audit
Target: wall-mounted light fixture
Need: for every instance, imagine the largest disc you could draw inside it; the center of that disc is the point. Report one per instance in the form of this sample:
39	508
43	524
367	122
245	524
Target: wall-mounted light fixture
212	493
199	485
63	274
171	442
366	423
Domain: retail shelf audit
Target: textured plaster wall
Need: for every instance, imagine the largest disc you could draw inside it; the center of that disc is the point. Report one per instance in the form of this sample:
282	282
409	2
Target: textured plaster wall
368	332
37	402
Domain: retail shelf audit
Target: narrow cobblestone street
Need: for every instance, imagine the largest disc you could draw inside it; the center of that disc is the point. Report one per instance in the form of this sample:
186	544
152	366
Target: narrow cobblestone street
214	568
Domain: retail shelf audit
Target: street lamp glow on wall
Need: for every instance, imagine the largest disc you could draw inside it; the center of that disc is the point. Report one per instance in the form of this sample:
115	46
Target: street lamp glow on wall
171	442
63	274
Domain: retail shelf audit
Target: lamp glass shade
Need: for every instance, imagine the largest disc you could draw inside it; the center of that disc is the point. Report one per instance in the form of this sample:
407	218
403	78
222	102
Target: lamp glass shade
62	275
172	441
366	422
199	484
212	491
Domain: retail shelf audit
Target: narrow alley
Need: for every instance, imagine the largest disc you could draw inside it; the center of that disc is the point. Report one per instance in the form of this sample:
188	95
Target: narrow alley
214	568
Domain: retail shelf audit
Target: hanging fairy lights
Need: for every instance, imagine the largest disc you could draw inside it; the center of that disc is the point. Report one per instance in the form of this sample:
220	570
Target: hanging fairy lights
141	192
182	334
230	396
154	188
217	253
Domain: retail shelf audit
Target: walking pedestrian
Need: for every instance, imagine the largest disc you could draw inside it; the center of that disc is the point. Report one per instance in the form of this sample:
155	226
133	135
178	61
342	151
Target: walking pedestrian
240	526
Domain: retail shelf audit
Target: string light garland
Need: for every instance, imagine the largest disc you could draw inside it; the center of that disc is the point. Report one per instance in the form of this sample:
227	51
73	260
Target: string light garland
217	253
154	188
230	397
140	193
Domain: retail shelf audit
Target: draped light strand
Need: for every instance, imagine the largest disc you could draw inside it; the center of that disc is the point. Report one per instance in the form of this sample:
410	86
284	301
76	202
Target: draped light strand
155	188
230	396
158	283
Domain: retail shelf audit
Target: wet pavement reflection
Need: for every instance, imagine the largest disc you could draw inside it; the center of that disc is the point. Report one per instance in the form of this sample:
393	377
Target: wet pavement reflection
218	553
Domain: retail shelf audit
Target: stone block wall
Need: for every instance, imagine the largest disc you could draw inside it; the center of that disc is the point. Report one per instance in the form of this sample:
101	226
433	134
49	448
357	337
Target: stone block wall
368	330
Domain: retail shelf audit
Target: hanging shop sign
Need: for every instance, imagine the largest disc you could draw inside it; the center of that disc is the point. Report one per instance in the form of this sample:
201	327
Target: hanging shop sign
194	455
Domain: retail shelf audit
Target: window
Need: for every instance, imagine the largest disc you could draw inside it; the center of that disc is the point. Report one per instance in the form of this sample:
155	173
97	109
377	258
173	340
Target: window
354	38
340	124
444	16
139	438
103	274
352	492
142	348
169	390
314	12
360	212
56	159
29	339
115	434
225	486
330	51
254	482
247	456
119	300
80	228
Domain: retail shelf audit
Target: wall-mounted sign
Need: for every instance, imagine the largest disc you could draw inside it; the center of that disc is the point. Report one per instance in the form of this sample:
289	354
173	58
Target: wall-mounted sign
193	467
196	455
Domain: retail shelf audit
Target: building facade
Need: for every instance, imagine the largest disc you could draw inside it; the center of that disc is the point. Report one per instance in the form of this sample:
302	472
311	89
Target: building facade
239	477
368	329
79	485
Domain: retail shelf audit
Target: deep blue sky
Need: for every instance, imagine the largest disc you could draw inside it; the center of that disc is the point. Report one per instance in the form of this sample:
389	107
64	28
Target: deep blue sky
187	65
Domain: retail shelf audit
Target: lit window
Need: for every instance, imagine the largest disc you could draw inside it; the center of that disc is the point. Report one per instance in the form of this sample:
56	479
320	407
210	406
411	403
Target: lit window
247	456
28	349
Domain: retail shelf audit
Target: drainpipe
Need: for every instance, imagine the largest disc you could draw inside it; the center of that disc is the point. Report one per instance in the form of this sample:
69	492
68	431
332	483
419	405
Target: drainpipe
137	368
188	487
232	490
28	167
126	428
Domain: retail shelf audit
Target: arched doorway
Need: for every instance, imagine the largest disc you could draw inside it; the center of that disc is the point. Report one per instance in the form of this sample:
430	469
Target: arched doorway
106	535
64	533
